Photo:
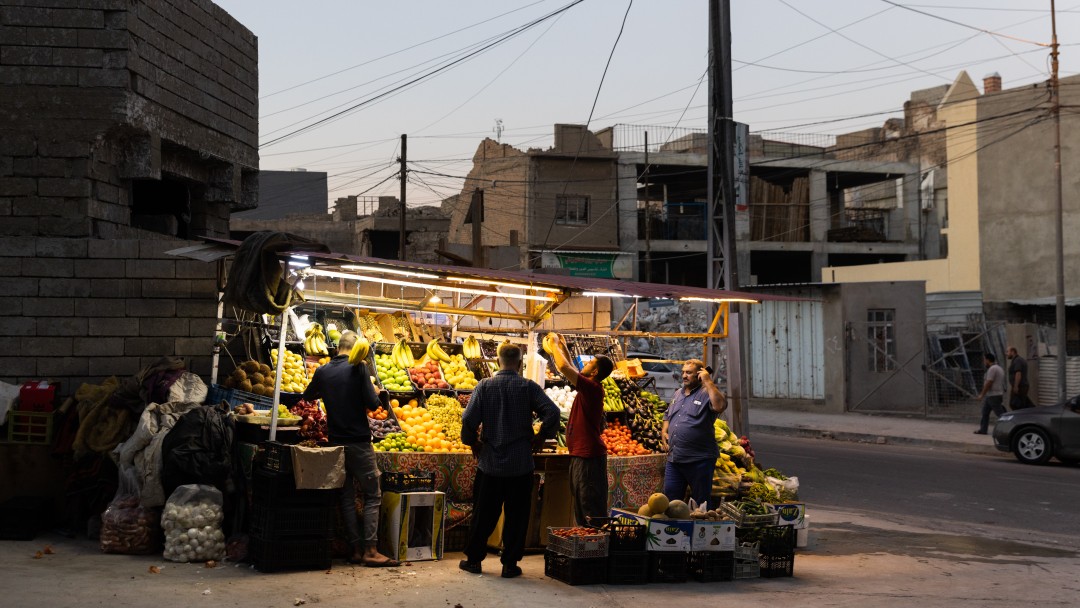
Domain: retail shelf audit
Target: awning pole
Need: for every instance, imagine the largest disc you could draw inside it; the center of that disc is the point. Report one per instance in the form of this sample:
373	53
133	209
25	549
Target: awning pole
280	366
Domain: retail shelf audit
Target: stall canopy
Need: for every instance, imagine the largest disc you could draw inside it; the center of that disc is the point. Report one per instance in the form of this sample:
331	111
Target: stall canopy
530	296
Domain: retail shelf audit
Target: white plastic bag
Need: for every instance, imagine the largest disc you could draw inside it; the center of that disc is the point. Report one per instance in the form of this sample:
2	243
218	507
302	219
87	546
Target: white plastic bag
787	488
192	522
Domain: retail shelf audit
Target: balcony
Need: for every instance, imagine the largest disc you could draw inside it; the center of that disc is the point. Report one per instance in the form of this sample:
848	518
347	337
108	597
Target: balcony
676	222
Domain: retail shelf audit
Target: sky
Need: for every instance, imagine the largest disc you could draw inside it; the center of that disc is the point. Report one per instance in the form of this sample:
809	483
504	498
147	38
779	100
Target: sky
341	80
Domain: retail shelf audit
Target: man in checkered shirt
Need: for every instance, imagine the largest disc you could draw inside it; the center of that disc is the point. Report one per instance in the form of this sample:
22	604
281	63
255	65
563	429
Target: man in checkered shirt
498	425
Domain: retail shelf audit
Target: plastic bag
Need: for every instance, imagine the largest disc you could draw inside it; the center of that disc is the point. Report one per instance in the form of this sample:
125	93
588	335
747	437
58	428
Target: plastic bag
127	527
787	488
192	522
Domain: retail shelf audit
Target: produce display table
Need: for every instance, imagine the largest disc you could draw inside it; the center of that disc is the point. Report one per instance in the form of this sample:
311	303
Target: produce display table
454	473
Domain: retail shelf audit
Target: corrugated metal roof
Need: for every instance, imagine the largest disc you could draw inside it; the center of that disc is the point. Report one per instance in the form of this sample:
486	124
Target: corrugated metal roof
580	284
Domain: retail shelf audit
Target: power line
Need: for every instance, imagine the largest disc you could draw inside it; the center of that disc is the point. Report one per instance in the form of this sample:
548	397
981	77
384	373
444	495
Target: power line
962	24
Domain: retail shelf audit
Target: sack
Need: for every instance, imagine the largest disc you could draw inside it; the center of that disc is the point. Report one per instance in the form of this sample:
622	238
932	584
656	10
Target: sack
198	449
127	527
192	523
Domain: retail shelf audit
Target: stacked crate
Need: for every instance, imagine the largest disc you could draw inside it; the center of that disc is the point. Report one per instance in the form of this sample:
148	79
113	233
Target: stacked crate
290	529
577	560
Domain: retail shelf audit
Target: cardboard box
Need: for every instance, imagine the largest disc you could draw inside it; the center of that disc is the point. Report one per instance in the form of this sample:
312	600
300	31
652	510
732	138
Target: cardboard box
791	513
713	536
318	468
664	534
411	525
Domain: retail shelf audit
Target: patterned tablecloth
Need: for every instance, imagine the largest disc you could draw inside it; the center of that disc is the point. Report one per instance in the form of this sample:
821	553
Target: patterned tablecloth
631	479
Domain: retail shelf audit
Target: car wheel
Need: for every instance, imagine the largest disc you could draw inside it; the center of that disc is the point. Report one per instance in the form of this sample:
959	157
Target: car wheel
1031	446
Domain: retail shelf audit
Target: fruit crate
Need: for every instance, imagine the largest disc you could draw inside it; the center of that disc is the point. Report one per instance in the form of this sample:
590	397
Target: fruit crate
34	428
275	457
624	536
280	555
22	517
774	565
575	570
745	569
712	566
579	546
667	567
217	393
747	552
417	481
777	539
384	348
292	523
628	567
277	490
730	512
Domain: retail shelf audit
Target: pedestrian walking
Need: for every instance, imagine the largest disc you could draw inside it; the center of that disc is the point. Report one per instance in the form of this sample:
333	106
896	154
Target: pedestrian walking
992	393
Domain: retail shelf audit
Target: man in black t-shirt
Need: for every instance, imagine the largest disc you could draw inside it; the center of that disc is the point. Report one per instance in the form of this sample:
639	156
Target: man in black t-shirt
1018	380
348	394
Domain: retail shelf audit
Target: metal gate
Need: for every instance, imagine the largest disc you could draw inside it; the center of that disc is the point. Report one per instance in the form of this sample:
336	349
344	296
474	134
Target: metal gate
787	351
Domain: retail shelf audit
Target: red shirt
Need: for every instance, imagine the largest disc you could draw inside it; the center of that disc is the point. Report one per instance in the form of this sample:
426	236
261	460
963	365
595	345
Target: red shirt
586	422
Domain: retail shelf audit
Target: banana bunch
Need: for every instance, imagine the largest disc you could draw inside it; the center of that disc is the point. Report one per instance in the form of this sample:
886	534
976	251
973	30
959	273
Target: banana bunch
549	342
471	348
315	340
435	352
402	355
359	350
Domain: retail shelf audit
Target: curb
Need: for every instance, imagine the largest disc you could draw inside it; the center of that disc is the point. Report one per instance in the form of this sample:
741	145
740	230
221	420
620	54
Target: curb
808	433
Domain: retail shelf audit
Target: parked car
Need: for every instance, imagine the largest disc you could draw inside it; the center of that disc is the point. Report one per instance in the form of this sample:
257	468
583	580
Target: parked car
668	376
1037	434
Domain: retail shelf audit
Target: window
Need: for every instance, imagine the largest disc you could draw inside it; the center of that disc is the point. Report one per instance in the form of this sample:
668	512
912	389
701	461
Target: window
881	339
572	210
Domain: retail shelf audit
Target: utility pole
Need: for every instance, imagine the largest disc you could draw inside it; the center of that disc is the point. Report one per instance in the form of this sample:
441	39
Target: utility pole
648	217
1059	236
401	208
722	267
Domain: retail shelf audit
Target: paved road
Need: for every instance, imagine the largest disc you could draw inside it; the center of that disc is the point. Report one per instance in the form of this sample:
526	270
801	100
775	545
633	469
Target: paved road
952	492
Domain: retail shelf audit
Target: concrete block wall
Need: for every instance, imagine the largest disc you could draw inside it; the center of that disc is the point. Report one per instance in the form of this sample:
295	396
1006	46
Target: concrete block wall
80	310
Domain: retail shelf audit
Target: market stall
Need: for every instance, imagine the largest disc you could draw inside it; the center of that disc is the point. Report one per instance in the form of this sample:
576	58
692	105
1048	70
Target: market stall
420	352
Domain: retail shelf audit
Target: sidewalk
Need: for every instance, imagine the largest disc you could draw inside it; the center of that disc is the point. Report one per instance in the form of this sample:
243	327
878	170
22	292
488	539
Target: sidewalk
892	430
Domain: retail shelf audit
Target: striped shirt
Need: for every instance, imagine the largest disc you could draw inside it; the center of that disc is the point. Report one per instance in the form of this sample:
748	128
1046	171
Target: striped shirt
504	405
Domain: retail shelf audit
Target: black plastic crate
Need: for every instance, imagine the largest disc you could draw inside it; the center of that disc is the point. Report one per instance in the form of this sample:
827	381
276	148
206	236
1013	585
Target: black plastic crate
628	568
292	523
416	481
275	490
712	566
456	538
22	517
667	567
777	539
777	565
623	536
275	457
279	555
575	570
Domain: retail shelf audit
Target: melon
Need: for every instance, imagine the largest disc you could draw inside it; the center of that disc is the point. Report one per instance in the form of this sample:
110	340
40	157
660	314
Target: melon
678	509
658	503
645	510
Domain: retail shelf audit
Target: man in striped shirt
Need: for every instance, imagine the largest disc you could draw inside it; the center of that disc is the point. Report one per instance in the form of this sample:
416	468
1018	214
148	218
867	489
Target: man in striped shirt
498	426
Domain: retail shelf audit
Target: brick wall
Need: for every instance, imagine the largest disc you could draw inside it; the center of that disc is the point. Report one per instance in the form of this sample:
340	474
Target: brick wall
80	310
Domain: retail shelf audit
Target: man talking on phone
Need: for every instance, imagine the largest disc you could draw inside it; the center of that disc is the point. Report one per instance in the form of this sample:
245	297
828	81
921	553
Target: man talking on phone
689	436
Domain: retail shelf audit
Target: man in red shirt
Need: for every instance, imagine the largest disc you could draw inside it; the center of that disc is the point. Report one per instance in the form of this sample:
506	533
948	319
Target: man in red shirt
588	454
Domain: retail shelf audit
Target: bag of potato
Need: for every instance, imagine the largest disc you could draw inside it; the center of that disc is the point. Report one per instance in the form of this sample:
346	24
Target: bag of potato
127	527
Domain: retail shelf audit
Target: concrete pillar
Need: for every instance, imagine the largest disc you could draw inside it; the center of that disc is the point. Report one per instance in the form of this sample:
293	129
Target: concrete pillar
819	207
628	215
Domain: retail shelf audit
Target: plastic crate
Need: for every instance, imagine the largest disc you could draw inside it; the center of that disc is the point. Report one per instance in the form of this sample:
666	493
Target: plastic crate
628	567
776	565
275	457
416	481
456	538
579	546
217	393
275	490
777	539
667	567
22	517
730	512
747	552
292	523
279	555
623	536
745	569
575	570
33	428
261	403
712	566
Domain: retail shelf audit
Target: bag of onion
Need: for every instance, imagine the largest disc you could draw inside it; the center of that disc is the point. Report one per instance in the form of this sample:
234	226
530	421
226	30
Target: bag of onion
192	524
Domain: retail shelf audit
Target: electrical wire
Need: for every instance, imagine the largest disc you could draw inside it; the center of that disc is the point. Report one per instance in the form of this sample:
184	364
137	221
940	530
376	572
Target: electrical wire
964	25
